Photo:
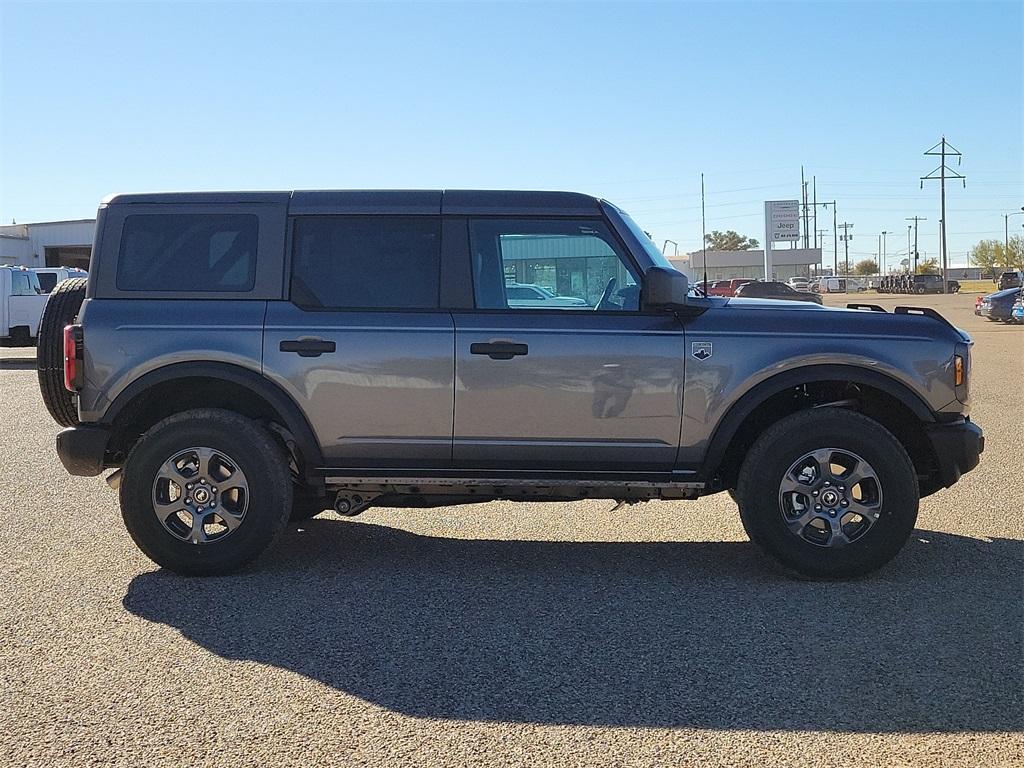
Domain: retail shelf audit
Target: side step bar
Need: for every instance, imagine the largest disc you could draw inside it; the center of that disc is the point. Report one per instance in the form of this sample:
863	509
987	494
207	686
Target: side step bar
503	487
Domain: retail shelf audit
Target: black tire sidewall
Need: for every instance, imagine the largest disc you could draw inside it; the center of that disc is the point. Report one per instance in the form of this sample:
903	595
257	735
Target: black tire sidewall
61	309
776	451
257	457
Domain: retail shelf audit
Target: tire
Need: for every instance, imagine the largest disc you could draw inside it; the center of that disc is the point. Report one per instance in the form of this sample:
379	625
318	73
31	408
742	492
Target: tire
890	495
306	503
259	518
61	309
919	289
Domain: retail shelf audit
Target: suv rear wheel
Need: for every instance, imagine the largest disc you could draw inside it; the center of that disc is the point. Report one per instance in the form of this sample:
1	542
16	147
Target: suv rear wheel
205	492
828	493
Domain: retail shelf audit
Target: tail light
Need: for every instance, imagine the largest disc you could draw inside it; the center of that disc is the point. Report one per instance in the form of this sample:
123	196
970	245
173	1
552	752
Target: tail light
72	358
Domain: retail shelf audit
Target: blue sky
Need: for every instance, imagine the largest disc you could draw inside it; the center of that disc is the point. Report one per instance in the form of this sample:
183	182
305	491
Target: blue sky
627	101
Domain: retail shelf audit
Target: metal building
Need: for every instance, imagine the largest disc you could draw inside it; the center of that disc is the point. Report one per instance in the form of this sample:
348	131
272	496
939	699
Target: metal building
48	243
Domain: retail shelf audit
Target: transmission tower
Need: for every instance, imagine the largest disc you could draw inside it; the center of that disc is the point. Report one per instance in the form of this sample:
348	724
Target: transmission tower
944	149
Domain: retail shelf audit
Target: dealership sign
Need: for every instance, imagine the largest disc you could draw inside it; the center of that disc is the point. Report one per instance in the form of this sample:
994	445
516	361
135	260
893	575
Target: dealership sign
782	218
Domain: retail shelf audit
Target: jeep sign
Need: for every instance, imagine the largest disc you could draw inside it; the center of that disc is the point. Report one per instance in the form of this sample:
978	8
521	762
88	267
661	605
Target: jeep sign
783	219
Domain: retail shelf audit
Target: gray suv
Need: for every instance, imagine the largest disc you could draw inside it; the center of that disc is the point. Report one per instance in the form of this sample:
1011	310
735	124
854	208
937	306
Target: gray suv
241	359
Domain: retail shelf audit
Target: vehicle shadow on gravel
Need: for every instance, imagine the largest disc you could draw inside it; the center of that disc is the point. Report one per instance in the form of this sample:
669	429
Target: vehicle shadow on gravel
698	635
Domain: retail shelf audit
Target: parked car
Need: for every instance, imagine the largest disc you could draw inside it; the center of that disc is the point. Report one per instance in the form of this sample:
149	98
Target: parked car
50	276
21	303
773	290
728	287
837	285
1017	311
530	295
801	284
241	358
997	306
1009	280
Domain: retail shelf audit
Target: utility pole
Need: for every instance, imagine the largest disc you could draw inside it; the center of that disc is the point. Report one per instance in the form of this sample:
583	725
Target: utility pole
1006	236
846	238
803	195
944	148
908	248
884	233
814	184
915	219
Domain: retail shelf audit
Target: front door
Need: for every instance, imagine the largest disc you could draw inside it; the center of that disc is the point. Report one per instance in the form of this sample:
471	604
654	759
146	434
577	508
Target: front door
557	369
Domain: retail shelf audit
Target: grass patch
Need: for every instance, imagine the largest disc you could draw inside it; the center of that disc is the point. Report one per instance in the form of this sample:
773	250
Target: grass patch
977	286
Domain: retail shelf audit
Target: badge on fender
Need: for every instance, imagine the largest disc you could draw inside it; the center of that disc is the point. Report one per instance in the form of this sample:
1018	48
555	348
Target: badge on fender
701	350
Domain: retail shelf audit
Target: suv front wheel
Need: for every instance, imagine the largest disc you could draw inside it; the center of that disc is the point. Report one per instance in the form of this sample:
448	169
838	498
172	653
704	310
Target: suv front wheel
828	493
205	491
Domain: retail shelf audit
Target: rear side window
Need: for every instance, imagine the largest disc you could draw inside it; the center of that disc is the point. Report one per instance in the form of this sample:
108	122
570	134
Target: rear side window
47	281
188	252
366	262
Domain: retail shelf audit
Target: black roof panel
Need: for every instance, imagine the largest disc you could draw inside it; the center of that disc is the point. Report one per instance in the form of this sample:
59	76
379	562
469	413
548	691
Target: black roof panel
466	201
403	201
407	201
198	197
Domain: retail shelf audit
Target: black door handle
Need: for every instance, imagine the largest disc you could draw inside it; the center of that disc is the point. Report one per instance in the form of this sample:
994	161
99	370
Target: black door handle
308	347
499	350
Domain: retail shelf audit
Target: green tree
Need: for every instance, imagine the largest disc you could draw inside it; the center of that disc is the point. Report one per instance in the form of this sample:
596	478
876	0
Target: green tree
866	267
928	267
989	255
729	241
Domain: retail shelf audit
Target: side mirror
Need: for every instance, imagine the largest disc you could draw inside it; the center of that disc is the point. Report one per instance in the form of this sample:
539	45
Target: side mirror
664	288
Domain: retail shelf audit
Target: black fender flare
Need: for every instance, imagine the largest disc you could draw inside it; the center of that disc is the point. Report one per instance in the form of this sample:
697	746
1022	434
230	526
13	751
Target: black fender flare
295	420
729	424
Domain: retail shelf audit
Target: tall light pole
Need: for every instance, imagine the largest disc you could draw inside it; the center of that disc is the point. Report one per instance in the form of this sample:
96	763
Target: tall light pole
884	233
1006	235
908	248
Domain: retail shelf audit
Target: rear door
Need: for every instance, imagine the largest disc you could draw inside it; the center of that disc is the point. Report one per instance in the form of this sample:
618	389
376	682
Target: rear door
591	385
361	344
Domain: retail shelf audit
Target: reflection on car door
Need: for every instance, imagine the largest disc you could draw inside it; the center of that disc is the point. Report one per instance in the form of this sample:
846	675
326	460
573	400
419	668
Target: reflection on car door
570	388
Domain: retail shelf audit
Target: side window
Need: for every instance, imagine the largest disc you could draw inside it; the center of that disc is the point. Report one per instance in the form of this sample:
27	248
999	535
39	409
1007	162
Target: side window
366	262
20	285
47	281
561	264
24	283
188	252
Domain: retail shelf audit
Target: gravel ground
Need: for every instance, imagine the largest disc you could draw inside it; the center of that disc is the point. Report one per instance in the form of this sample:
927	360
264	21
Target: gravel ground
501	634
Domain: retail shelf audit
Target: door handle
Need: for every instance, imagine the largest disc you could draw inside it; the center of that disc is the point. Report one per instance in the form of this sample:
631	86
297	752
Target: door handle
499	350
308	347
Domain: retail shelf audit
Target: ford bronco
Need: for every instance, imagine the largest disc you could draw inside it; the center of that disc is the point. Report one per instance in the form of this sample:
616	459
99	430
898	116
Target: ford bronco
243	358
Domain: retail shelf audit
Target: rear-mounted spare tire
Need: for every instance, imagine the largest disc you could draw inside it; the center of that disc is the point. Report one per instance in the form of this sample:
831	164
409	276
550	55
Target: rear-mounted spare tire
61	310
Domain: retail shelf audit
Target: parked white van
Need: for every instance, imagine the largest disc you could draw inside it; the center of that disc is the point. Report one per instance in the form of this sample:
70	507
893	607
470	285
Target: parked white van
21	303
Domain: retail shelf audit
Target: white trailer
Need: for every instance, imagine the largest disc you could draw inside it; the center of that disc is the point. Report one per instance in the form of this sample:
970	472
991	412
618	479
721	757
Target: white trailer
21	305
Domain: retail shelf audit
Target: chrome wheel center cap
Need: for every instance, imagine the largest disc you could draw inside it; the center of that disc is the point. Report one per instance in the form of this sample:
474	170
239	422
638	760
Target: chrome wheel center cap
201	495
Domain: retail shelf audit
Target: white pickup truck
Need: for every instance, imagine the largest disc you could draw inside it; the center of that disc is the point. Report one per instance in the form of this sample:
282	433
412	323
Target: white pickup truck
21	304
